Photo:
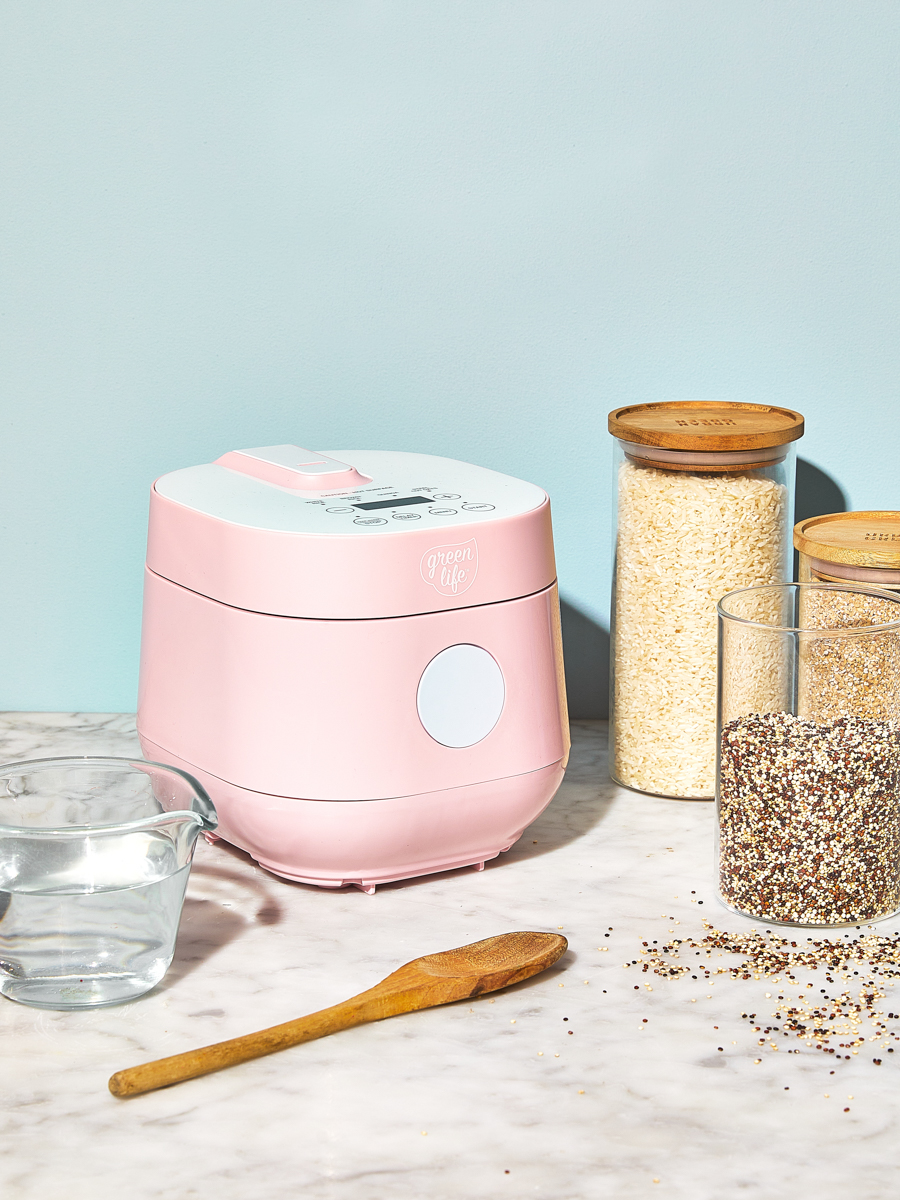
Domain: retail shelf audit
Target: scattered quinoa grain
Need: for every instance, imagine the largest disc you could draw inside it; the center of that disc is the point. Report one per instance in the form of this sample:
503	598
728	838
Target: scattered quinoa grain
831	1023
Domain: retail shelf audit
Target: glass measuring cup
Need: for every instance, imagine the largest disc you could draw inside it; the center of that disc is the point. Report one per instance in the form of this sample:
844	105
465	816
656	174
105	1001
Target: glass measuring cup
95	855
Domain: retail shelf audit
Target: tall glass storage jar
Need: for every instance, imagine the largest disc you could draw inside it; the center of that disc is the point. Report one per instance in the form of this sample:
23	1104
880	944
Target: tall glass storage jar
858	547
703	500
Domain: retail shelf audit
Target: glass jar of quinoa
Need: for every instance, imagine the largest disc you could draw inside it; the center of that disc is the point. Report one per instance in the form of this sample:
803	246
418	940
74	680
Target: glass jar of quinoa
808	797
703	502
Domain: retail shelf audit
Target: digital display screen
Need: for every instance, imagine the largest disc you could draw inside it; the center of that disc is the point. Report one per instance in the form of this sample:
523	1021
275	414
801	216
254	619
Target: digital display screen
368	505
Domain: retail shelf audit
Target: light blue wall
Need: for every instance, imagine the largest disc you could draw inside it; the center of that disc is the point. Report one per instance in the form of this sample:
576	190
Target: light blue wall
468	228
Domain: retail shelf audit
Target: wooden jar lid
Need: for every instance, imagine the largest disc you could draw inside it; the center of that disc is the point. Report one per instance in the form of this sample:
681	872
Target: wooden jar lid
706	425
859	539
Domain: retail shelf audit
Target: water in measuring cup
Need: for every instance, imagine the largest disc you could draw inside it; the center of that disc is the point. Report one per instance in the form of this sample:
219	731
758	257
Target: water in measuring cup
77	949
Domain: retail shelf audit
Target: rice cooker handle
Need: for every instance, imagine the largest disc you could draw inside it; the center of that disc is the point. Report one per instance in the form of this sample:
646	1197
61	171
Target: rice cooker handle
293	467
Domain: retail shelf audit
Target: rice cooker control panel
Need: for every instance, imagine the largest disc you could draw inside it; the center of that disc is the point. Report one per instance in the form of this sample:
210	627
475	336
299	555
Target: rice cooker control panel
388	504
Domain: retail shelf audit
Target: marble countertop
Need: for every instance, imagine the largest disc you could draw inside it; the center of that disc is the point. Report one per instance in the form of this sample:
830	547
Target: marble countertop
580	1083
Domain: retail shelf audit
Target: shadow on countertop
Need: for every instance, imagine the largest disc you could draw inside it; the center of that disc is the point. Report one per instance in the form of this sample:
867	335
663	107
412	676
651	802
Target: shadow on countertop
218	907
581	803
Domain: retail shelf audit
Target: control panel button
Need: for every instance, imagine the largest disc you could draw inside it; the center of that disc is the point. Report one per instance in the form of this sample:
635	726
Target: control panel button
478	507
445	496
404	516
340	510
461	695
370	521
442	512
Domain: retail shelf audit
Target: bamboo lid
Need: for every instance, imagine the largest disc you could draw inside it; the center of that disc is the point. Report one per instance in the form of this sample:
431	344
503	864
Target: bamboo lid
706	425
859	539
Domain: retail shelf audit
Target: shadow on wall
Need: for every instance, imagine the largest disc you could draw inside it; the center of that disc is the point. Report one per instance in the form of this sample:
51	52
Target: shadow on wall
816	493
586	644
586	654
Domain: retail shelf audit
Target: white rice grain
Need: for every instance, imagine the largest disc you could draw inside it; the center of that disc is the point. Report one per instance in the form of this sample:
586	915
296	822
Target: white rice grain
684	540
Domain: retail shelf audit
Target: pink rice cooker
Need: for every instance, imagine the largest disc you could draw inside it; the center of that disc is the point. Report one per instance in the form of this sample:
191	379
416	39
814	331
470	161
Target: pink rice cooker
358	654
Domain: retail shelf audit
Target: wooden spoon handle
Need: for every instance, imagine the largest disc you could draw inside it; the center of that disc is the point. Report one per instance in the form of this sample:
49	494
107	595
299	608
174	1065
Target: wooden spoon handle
165	1071
406	990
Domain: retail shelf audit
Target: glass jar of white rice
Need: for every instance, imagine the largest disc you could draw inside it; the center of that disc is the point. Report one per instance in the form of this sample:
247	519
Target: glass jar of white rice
703	499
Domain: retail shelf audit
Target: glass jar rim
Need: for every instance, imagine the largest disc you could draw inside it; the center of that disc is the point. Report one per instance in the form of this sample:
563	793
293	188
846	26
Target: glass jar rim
847	631
205	814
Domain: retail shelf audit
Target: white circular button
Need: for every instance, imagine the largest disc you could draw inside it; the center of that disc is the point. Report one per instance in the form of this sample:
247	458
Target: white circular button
461	695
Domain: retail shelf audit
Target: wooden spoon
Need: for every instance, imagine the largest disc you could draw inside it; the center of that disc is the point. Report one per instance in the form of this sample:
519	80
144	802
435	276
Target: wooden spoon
435	979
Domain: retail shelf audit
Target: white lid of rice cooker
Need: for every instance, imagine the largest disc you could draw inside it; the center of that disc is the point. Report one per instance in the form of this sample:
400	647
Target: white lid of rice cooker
349	534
